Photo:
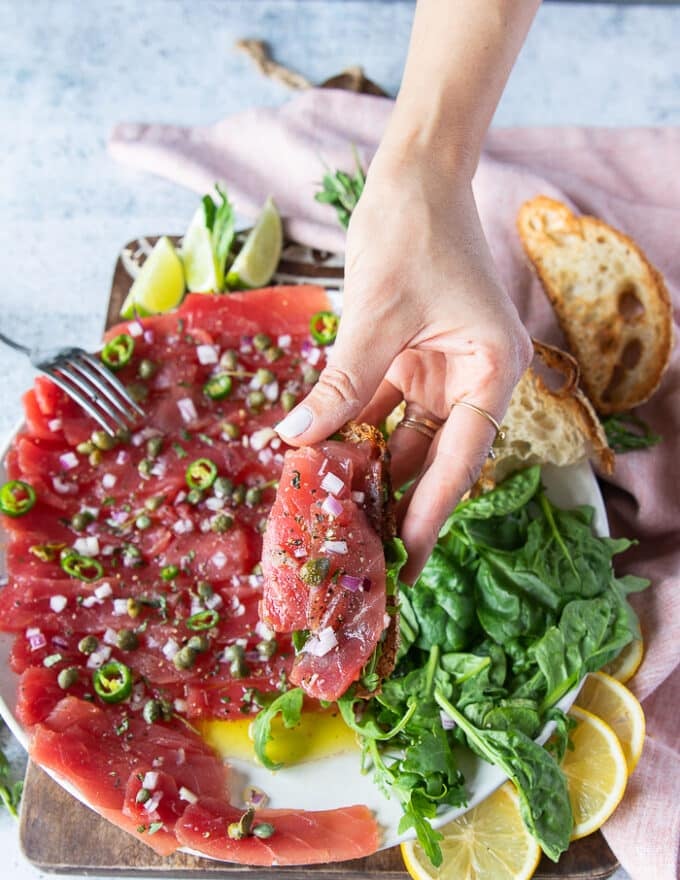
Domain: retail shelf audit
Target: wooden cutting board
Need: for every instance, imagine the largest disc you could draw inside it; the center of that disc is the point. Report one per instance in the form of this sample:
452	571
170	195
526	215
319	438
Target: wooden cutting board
59	834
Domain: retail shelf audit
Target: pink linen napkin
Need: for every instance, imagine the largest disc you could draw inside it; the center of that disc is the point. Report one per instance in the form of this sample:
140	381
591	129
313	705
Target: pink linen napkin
630	178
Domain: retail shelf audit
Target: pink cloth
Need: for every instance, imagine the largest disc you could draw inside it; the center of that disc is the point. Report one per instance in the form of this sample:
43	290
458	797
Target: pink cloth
630	178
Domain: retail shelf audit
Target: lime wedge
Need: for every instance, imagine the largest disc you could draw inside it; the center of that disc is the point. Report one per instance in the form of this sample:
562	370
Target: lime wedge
257	260
202	270
159	286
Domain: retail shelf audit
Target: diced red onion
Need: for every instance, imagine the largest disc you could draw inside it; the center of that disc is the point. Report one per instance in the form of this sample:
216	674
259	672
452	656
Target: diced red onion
169	649
186	794
271	391
109	481
207	354
187	409
158	761
314	356
91	601
331	506
110	637
149	336
255	580
319	644
150	780
58	603
260	439
109	550
254	797
145	434
68	461
219	559
59	641
103	591
118	517
350	582
93	511
276	443
122	457
447	722
333	484
284	341
32	631
159	468
299	552
264	456
339	547
37	641
86	546
120	607
213	503
181	757
62	487
213	602
152	804
54	424
358	497
135	329
305	347
99	657
263	631
179	497
183	527
322	469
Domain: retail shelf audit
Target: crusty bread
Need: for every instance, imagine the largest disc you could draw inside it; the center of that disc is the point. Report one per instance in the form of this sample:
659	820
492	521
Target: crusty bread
612	305
546	425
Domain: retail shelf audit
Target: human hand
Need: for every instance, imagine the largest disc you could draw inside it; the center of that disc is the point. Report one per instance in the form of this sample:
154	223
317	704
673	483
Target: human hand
425	319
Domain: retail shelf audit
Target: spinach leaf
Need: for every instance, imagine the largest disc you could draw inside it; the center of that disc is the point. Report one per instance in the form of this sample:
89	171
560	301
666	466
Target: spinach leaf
626	431
542	788
395	559
289	706
508	497
442	600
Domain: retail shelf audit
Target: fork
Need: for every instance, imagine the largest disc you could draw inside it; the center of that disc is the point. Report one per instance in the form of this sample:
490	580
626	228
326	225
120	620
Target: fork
101	394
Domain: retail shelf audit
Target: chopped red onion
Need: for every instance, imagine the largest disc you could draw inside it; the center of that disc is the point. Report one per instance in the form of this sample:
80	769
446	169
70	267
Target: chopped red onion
91	601
319	644
37	641
299	552
187	409
149	336
145	434
62	487
322	469
86	546
179	497
150	780
351	582
152	804
213	601
263	631
207	354
305	347
68	461
109	481
219	559
135	329
254	797
54	424
59	641
264	456
110	637
214	503
159	469
260	439
120	607
58	603
169	649
314	356
118	517
339	547
358	497
103	591
186	794
99	657
284	341
181	757
183	527
271	391
447	722
333	484
331	506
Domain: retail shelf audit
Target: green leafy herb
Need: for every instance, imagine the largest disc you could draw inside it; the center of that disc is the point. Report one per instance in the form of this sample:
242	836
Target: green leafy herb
219	219
289	707
626	431
342	191
10	792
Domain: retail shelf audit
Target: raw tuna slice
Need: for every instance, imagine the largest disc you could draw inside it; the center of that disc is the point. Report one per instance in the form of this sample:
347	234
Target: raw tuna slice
299	838
323	561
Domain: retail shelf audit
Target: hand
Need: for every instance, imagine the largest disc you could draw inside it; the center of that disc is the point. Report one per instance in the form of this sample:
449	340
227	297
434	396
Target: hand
425	319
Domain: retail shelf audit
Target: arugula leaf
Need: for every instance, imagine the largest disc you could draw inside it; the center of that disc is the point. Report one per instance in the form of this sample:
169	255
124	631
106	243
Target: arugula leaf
289	706
541	785
626	431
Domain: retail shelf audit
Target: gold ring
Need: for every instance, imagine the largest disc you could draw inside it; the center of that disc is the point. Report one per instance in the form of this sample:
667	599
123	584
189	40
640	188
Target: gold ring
424	426
500	433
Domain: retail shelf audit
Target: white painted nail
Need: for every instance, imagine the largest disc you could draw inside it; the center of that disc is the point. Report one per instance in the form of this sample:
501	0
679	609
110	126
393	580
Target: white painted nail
295	423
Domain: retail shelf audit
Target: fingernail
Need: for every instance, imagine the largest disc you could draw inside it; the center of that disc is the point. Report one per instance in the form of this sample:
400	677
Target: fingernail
295	423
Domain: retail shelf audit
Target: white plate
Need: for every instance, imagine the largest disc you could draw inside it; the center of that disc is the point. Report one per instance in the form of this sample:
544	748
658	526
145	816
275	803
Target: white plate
336	781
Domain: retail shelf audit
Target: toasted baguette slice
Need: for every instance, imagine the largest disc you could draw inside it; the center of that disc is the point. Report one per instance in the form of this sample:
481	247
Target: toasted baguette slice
612	305
545	426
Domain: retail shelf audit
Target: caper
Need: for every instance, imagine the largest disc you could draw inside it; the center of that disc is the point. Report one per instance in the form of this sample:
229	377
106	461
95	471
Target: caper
264	377
184	658
142	796
143	521
154	445
127	640
234	831
194	496
85	448
144	467
168	572
266	648
234	652
255	400
263	830
80	521
288	401
238	495
146	369
310	376
154	502
199	644
257	568
229	359
133	607
239	669
314	571
204	590
272	354
221	523
253	496
95	458
152	711
67	677
222	487
262	525
230	430
123	435
88	644
102	440
138	392
261	341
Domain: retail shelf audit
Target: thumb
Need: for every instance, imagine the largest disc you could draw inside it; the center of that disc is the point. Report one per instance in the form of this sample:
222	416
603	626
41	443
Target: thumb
358	363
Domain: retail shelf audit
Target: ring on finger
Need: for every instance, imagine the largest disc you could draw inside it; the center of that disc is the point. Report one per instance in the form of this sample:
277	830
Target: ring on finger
427	425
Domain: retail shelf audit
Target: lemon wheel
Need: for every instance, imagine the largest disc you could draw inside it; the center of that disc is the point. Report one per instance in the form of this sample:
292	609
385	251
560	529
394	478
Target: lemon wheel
624	667
611	701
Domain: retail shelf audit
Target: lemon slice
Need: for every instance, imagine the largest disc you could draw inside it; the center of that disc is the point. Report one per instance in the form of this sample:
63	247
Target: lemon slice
612	702
159	286
489	842
596	772
202	270
624	667
257	260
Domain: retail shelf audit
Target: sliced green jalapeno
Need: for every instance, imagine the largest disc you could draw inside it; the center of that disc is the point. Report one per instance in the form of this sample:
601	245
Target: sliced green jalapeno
201	474
82	567
112	681
218	387
118	351
202	620
16	498
324	327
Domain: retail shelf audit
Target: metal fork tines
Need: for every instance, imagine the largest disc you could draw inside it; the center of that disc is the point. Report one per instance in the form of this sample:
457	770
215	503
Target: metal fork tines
80	375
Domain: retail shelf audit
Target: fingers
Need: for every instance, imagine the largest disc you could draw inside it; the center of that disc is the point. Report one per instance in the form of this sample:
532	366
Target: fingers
451	467
361	356
385	399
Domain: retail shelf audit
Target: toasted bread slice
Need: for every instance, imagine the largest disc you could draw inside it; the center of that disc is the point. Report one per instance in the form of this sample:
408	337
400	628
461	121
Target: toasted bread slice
612	305
379	506
544	425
